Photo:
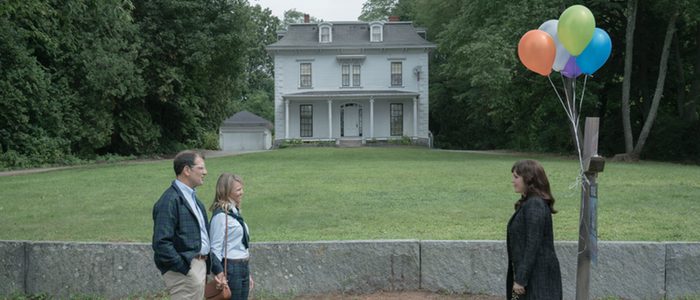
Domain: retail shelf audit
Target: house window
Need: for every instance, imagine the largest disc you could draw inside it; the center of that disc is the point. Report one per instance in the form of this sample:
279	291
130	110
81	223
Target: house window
306	120
376	35
346	75
355	75
396	74
346	79
396	122
325	34
305	75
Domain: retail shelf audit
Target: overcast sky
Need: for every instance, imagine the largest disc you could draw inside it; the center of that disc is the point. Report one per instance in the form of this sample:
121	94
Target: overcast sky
328	10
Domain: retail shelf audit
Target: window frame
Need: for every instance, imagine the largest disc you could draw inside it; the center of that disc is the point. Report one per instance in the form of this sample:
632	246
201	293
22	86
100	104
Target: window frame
306	120
378	31
396	77
321	34
303	76
356	75
396	119
345	75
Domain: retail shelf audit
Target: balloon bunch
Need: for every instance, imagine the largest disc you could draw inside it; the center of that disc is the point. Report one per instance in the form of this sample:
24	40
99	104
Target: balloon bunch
571	46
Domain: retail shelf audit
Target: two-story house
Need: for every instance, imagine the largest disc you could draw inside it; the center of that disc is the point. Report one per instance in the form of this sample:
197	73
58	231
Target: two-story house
351	80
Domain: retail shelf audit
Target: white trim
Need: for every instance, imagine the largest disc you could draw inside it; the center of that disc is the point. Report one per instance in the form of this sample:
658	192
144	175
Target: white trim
330	119
415	117
371	117
321	27
286	119
372	28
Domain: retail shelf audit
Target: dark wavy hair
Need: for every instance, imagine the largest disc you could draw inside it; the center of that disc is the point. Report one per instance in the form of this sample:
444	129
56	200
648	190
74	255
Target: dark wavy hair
536	182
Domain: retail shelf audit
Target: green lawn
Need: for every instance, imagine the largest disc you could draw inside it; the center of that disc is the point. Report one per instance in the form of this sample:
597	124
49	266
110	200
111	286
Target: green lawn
358	193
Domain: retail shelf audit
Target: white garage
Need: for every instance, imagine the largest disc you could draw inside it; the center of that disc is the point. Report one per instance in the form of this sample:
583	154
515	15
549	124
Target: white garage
245	131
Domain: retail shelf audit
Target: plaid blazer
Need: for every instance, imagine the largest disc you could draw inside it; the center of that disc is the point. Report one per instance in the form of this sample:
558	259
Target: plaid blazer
532	261
176	234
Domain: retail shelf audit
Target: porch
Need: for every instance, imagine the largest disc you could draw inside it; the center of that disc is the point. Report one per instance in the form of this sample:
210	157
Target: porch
350	115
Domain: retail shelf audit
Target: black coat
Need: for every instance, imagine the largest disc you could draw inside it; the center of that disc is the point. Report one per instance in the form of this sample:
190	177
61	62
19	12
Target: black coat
532	261
176	235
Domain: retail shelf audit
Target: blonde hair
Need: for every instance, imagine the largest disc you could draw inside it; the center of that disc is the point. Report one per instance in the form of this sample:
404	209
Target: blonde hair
224	186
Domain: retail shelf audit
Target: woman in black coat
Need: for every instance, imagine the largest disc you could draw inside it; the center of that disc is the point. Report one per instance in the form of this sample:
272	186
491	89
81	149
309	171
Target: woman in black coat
533	267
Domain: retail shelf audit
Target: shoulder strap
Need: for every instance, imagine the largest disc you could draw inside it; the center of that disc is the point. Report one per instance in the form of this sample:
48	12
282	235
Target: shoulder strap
225	245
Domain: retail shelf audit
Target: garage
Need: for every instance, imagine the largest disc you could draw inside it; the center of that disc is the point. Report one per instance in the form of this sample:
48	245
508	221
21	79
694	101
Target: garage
245	131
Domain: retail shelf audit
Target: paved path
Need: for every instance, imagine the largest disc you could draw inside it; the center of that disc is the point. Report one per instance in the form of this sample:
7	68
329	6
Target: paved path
207	154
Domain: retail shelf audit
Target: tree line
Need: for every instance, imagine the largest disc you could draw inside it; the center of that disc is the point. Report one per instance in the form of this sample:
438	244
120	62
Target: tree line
83	79
481	97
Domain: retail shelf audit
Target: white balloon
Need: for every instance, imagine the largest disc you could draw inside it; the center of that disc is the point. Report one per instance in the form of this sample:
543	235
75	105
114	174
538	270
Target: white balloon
562	55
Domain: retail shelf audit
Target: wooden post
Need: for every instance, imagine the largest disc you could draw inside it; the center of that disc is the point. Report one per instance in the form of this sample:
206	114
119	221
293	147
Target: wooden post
587	238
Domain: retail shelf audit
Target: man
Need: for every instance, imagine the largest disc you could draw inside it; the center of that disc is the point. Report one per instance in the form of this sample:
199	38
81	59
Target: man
181	232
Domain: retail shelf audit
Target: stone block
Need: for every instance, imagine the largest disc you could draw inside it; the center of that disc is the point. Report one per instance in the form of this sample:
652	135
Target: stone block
335	266
12	267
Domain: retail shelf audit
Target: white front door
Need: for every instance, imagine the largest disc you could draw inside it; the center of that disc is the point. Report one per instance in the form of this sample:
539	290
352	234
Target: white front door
351	120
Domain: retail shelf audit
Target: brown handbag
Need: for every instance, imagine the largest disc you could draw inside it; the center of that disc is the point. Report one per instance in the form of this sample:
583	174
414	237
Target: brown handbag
210	290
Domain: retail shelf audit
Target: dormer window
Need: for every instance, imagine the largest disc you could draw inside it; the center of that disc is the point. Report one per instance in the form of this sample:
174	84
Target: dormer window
325	34
376	34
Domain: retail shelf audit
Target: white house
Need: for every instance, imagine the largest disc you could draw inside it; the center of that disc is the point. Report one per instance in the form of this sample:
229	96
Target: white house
245	131
351	80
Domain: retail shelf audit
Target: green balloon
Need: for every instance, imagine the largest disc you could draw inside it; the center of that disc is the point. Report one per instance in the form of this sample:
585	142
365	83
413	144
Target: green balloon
575	28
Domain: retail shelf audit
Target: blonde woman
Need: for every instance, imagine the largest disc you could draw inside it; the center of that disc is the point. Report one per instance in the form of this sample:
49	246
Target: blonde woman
227	205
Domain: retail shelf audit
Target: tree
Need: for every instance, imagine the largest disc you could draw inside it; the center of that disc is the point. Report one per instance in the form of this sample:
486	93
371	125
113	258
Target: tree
294	16
195	57
65	66
377	10
627	79
651	115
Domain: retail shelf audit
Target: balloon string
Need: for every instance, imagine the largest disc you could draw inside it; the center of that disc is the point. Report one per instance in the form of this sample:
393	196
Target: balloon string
580	104
572	103
573	119
559	96
566	93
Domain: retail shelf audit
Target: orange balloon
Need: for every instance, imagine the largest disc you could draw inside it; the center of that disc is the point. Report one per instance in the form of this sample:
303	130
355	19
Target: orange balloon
536	51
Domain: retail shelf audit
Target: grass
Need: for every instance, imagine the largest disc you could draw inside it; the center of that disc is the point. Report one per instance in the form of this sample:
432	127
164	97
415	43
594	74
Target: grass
359	193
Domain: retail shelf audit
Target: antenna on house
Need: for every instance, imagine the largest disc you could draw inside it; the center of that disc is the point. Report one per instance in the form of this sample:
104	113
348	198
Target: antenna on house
416	71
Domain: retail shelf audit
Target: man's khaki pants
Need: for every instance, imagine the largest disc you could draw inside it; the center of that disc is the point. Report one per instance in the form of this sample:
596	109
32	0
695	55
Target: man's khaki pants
187	287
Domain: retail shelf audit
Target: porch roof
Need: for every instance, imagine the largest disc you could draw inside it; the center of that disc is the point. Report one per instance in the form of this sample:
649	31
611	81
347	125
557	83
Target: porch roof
351	94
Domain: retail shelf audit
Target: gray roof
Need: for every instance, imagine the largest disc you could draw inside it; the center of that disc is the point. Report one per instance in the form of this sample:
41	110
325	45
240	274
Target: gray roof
247	119
351	35
351	94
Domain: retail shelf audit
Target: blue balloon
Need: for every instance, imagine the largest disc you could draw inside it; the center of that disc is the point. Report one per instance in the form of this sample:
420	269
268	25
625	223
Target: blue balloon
596	52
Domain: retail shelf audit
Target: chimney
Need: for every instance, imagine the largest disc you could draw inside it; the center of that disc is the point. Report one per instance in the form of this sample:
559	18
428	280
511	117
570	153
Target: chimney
306	18
394	18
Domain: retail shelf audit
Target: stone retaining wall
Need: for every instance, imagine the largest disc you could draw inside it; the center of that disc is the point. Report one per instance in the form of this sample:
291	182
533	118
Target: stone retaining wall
632	270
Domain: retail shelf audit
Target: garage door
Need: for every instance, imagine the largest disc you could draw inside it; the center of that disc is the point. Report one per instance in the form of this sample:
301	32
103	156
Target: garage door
243	141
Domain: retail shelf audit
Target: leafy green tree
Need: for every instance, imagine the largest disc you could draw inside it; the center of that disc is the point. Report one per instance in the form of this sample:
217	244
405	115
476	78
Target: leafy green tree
67	66
195	56
294	16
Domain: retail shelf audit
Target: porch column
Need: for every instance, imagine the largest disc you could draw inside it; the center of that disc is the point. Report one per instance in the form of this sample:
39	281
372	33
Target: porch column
371	117
415	116
286	118
330	120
